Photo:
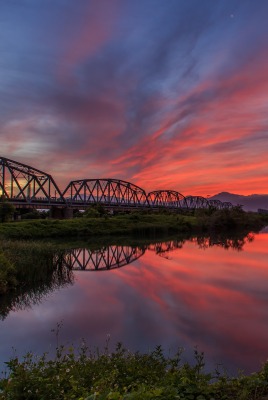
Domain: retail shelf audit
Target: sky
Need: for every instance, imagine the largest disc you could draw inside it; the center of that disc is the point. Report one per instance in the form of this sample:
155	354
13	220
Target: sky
166	94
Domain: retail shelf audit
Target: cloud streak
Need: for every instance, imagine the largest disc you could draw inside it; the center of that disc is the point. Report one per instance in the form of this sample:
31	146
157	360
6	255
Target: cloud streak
166	96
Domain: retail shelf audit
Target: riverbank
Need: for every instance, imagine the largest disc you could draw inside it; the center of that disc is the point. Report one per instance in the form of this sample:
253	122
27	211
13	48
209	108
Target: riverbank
123	375
136	224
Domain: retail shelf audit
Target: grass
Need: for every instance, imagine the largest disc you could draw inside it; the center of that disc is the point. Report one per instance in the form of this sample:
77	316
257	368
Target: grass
137	224
124	375
92	227
29	266
7	274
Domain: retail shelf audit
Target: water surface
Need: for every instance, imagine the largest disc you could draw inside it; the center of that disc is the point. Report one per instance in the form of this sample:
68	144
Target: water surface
202	292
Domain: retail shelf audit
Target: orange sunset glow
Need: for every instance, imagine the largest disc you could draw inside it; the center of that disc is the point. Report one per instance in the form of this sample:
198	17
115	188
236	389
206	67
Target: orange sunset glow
164	94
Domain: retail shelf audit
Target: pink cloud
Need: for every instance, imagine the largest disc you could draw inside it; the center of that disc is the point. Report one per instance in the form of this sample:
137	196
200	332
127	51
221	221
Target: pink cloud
97	25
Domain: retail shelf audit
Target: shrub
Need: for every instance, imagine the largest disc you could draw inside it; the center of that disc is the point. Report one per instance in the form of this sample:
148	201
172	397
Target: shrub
6	211
123	375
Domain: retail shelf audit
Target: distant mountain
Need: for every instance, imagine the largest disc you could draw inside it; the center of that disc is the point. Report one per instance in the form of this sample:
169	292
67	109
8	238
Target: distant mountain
250	203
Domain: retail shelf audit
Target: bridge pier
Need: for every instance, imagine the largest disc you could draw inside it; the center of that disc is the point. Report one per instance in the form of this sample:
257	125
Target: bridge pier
61	213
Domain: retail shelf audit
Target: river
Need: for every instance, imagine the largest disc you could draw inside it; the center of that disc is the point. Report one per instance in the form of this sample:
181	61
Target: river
206	293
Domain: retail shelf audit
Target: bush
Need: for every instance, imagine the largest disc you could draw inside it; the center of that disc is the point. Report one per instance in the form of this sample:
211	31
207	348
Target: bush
6	211
34	215
123	375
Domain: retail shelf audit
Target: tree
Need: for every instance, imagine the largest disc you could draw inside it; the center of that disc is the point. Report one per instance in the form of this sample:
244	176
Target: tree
6	210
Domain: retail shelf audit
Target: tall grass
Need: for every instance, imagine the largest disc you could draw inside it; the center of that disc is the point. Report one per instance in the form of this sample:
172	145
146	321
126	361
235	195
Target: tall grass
124	375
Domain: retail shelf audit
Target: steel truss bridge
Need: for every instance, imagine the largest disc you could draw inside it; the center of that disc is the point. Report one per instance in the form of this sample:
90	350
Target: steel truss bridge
25	186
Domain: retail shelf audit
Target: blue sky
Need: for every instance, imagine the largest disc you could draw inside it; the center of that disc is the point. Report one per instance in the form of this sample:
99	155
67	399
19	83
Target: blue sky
167	94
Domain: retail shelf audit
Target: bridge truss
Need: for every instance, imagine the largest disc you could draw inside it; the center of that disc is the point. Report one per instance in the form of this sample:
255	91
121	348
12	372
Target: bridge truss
21	183
194	202
227	205
24	185
166	198
216	204
109	192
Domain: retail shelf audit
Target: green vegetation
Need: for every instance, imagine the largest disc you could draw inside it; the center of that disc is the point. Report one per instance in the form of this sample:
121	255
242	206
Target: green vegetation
142	224
28	269
91	227
7	274
229	220
6	210
33	214
123	375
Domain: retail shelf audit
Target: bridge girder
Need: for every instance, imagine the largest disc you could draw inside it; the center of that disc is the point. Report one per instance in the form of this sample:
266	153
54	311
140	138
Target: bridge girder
216	204
227	205
194	202
109	192
220	205
22	183
166	198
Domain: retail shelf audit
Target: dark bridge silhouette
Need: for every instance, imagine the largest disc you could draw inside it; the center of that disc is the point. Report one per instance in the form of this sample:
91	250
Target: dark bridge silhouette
25	186
106	191
106	258
110	257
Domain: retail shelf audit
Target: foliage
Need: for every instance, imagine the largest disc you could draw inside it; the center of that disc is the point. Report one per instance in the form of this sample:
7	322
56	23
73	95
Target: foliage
123	375
91	212
34	214
6	210
134	224
229	220
95	211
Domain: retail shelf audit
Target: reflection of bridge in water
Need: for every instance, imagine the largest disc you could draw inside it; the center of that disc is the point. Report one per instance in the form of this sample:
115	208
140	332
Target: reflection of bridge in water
58	269
25	186
106	258
163	248
111	257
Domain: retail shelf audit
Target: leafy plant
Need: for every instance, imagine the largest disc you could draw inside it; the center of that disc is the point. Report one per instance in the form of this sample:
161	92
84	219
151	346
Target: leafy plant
6	210
123	375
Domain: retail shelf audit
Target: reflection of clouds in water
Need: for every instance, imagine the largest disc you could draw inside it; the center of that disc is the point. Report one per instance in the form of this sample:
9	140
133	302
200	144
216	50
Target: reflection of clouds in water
111	257
215	299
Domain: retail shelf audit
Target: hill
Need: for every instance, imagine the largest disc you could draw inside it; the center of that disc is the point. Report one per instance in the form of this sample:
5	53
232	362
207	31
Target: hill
250	203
